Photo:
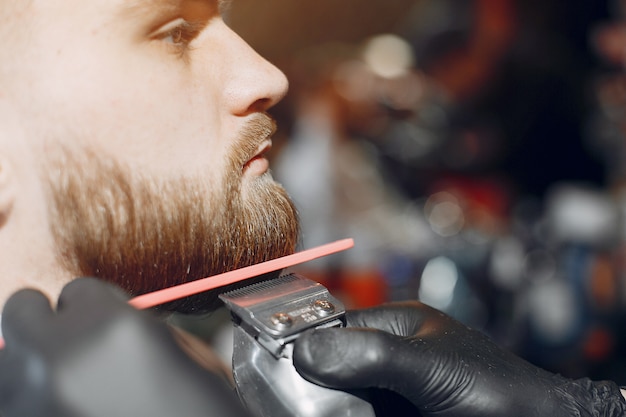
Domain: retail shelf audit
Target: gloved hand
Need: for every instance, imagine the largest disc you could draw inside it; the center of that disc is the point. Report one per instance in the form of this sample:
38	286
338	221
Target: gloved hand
96	356
443	368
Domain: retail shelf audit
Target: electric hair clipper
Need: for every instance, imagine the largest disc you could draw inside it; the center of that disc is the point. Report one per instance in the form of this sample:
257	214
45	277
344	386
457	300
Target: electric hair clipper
268	317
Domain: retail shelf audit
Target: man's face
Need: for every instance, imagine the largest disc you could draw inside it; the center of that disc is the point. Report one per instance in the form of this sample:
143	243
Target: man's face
148	119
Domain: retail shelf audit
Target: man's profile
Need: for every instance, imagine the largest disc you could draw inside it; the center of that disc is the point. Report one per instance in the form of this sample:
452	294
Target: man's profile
143	136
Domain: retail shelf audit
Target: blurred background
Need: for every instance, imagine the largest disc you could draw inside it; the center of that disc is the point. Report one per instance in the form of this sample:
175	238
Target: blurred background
475	151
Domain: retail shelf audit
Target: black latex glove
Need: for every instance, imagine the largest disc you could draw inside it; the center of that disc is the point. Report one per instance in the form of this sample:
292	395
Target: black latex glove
443	368
96	356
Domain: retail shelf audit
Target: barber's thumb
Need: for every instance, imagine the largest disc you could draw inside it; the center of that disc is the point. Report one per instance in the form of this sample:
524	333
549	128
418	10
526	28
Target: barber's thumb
348	358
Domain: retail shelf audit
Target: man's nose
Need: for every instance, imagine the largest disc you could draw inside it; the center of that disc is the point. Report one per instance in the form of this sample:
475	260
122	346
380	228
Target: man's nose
252	84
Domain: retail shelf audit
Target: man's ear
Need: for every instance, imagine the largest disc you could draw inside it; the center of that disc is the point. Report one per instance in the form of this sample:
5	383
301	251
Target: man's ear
7	188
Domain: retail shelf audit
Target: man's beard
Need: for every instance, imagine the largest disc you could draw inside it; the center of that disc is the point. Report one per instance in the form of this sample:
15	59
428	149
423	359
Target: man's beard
147	234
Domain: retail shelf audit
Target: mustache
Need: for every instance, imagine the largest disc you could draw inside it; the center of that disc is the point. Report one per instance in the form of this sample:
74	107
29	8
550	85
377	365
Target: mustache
260	128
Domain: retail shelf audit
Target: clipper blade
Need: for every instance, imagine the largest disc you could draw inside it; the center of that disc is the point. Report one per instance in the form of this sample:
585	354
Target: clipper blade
284	306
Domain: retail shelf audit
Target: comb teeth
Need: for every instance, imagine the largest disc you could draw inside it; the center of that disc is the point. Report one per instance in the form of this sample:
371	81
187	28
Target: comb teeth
260	287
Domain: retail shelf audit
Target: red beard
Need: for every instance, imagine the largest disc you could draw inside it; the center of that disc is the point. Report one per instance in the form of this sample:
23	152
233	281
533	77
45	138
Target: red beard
145	235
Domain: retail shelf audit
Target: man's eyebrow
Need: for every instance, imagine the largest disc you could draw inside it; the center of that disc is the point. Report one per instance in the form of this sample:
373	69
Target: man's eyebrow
141	7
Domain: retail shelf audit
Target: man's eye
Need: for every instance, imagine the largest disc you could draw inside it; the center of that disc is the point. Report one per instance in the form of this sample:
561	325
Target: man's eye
178	32
182	34
176	35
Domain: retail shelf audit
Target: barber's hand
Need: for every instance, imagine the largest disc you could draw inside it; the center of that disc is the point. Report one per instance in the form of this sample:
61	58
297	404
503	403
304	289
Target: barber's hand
96	356
443	368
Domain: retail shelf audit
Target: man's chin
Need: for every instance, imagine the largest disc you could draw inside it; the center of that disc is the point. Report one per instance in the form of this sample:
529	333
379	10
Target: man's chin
146	234
250	181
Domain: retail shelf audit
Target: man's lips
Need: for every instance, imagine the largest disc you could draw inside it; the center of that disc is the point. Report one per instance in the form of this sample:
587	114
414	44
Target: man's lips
259	164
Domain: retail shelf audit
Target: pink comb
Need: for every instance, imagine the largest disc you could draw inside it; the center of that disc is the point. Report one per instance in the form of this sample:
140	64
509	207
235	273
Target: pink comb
210	283
205	284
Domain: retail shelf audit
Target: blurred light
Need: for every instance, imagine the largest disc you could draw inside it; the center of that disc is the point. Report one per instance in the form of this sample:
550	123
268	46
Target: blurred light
507	263
582	215
553	311
438	282
444	214
388	56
